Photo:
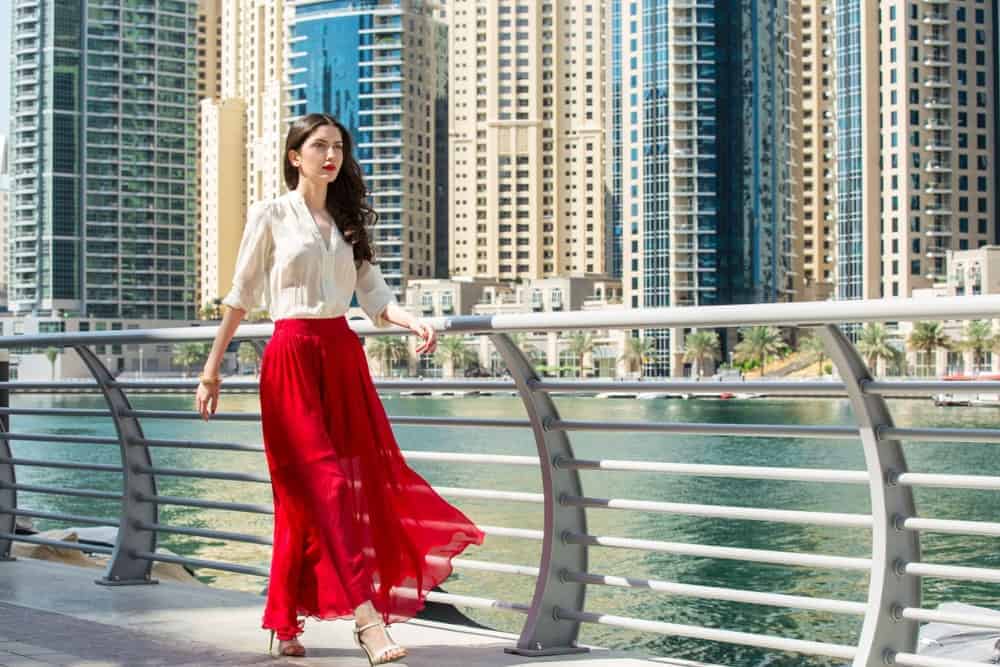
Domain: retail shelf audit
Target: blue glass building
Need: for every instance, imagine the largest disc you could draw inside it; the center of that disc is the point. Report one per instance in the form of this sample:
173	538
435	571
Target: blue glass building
103	189
701	150
372	64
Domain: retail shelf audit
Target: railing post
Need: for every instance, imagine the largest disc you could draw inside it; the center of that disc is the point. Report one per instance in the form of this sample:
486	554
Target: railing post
889	589
8	495
125	568
544	632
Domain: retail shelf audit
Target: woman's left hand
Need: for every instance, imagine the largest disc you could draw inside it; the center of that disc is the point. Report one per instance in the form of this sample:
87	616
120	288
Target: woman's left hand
427	333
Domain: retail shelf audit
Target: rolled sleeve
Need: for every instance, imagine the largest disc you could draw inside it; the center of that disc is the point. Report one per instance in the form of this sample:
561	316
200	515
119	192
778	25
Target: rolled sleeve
253	260
373	293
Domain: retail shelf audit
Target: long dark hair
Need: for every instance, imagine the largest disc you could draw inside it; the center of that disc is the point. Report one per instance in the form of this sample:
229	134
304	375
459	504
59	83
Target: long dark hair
346	196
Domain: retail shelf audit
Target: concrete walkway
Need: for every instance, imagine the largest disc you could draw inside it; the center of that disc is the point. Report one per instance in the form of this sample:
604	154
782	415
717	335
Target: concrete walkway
54	614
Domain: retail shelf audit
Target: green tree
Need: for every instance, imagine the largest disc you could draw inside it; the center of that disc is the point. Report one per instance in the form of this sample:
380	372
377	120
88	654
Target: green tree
979	340
187	355
928	337
388	350
247	355
758	344
873	345
52	353
638	351
579	344
699	347
453	354
812	346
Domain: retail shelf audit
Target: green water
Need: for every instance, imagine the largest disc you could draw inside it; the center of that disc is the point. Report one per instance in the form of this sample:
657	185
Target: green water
791	452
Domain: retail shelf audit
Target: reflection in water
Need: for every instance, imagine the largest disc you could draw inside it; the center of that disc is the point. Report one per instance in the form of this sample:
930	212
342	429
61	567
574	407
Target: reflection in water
786	452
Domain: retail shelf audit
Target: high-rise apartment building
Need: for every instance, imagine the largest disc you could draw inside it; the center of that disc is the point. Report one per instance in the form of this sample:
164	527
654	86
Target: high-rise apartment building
374	66
817	62
4	201
705	156
209	58
916	140
242	132
938	119
103	158
527	145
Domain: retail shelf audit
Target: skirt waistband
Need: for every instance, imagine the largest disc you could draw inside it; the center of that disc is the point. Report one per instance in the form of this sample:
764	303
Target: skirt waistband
313	326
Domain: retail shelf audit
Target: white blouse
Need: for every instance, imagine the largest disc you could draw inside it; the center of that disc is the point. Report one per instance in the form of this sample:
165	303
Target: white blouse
306	277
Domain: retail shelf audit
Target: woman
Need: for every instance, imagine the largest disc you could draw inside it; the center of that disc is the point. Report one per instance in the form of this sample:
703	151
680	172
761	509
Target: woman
356	532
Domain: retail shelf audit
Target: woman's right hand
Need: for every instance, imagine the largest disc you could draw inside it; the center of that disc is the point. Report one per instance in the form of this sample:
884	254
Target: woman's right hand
207	399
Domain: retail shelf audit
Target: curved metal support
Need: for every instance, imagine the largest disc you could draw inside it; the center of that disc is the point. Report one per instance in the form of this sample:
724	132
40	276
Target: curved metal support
8	494
544	632
884	632
124	568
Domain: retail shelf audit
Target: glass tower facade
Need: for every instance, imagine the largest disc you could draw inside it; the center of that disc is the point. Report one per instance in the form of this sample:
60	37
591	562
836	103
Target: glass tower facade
103	158
850	163
702	145
358	61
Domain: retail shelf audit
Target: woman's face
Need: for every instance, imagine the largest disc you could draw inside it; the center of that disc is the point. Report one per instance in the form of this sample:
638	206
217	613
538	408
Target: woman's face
321	154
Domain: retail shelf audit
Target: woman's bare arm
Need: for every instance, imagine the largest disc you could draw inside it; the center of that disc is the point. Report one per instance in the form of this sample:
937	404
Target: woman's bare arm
207	396
397	315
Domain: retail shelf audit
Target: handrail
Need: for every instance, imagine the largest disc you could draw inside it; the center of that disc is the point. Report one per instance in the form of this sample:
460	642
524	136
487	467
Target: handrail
800	314
891	615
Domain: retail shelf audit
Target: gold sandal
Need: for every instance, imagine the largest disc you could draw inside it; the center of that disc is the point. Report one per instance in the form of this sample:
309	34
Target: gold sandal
378	658
296	650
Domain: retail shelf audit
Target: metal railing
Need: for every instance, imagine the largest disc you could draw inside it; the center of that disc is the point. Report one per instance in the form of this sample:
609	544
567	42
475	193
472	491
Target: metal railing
891	615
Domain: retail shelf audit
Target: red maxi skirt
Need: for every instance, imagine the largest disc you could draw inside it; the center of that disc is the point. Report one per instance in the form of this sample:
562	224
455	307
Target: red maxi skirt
352	522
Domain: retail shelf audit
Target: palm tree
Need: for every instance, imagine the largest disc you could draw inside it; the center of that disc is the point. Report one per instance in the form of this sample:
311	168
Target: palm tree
638	351
189	354
874	345
247	355
812	346
388	350
979	340
580	344
928	337
52	353
758	344
453	354
699	347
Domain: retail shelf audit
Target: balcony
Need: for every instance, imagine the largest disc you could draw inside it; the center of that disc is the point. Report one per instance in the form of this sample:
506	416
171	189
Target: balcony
936	18
937	168
937	40
937	83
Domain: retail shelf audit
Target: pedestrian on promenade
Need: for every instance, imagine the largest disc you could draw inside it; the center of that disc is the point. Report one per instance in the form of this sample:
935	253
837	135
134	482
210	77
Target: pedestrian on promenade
357	533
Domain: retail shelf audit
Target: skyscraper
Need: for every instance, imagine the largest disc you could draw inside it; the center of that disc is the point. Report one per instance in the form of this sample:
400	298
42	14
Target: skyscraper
817	60
527	138
705	123
242	132
103	162
938	123
916	141
374	65
4	201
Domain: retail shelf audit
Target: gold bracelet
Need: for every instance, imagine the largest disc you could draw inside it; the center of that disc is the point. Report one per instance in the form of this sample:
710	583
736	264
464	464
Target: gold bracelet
204	379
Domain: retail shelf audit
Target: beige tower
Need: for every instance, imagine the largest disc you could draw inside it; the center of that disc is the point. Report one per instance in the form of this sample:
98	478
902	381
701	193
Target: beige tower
243	131
938	123
819	147
3	221
526	138
209	57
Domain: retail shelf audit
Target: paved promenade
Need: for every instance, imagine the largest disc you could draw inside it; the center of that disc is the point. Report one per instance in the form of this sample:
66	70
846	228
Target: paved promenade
54	614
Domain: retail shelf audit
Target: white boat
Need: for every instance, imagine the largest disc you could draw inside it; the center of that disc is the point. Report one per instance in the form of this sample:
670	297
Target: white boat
615	394
654	395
